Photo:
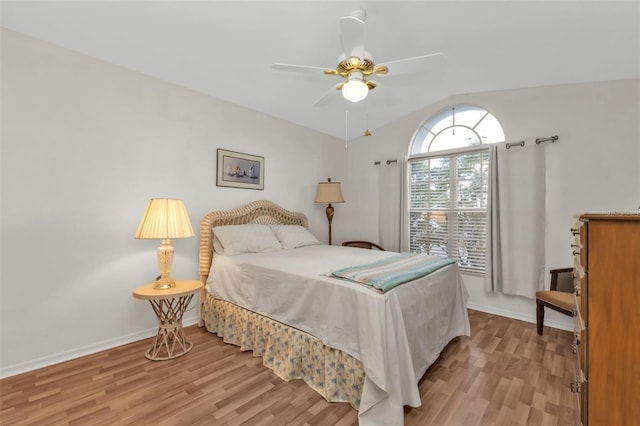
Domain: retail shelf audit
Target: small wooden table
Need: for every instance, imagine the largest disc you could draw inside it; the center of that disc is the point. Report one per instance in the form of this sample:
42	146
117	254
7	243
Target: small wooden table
169	306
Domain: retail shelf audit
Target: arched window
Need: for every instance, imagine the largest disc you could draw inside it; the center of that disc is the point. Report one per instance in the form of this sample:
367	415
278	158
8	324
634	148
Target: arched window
459	127
448	190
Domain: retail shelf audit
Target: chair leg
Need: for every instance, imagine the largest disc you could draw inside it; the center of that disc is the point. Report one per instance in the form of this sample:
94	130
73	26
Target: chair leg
539	317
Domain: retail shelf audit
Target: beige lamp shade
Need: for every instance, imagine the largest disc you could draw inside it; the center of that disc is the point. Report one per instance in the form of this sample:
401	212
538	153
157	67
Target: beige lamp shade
165	219
329	192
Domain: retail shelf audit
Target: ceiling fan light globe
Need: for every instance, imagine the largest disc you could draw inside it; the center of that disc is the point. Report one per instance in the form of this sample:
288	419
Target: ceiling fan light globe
355	90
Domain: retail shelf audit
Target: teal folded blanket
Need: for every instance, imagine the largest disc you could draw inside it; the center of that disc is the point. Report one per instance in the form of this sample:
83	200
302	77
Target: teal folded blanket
388	273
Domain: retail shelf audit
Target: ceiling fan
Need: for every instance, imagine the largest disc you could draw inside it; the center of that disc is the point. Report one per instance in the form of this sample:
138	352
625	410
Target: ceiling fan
355	68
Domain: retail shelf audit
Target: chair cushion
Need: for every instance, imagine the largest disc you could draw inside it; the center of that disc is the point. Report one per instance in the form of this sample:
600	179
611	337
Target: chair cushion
557	298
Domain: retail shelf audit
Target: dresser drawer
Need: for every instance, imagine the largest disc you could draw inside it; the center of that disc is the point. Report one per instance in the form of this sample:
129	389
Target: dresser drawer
578	320
578	386
583	275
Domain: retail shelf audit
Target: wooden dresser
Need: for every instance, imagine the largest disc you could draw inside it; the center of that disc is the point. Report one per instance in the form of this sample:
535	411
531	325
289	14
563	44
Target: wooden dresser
607	322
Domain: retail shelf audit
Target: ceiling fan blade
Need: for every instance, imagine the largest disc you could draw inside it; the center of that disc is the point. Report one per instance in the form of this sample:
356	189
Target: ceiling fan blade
352	36
330	96
418	64
302	69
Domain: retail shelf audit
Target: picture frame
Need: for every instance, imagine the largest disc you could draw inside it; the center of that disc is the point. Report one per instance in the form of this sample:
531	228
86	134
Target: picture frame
239	170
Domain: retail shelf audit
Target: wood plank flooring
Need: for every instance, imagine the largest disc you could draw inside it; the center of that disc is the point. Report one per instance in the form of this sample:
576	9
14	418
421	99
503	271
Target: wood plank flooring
505	374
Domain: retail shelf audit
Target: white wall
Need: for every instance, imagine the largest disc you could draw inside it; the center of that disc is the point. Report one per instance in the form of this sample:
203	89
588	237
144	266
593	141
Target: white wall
595	165
85	144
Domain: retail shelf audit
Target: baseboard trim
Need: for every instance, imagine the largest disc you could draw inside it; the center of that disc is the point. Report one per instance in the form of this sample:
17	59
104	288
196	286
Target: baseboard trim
519	316
49	360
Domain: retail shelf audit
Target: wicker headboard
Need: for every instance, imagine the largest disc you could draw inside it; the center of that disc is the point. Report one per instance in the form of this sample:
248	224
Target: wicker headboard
261	212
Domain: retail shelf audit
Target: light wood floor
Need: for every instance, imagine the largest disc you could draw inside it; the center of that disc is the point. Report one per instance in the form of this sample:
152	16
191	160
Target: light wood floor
505	374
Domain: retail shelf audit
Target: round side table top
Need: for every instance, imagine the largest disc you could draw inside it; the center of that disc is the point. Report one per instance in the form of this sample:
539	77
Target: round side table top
182	288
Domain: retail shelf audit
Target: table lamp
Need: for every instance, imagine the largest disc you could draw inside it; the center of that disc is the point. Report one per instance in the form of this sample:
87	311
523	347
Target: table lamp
165	219
329	192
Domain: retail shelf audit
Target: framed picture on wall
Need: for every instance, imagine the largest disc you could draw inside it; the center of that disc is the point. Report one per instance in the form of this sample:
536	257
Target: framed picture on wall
239	170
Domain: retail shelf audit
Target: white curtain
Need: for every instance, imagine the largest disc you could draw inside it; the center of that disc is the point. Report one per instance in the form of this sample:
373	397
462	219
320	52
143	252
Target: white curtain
392	205
516	220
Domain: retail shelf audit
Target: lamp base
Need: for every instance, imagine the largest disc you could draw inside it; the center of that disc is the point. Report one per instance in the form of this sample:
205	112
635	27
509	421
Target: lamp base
165	259
164	285
329	211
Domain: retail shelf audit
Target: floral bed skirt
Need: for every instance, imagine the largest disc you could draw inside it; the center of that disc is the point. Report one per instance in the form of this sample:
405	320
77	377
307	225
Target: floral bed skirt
289	352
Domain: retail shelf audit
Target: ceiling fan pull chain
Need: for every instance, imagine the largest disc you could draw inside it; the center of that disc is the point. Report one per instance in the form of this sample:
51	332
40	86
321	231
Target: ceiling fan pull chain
366	130
346	128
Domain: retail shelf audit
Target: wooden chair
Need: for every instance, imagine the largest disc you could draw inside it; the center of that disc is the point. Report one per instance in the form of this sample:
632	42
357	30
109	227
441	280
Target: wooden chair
559	297
362	244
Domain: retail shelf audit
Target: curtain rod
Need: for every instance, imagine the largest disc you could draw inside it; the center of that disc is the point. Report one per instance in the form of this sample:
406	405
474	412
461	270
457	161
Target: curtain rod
377	163
538	141
508	145
550	138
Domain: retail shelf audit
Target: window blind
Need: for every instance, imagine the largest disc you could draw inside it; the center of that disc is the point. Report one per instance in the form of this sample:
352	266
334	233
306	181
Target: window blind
448	207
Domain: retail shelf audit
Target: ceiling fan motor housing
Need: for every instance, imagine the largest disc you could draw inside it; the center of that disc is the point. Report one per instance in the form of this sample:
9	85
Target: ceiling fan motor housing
346	67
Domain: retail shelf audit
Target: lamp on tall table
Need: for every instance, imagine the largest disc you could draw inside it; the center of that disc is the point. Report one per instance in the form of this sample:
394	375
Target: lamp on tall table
329	192
163	220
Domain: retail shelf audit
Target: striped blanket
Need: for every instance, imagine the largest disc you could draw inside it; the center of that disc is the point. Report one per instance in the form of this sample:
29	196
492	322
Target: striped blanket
385	274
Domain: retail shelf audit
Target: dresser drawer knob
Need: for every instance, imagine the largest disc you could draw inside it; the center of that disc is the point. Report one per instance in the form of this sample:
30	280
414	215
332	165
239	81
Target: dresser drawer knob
574	348
575	231
575	387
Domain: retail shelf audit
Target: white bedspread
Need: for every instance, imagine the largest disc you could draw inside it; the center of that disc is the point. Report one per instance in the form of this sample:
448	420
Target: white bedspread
396	335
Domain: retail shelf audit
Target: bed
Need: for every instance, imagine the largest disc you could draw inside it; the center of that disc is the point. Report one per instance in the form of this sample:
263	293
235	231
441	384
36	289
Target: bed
346	341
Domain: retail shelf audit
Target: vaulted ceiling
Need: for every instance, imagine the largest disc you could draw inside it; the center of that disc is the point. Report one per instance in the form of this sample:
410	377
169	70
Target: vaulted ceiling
226	48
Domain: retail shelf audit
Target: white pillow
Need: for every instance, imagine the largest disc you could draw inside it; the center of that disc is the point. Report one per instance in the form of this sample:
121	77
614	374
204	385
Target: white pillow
250	238
292	236
217	245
